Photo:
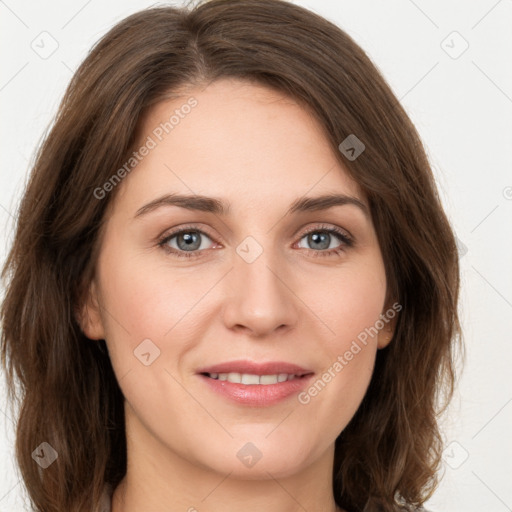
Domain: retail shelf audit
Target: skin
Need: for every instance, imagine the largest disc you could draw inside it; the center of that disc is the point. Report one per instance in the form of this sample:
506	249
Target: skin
260	151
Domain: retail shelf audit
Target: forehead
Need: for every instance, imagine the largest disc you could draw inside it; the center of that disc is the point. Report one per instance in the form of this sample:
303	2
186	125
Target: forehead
240	140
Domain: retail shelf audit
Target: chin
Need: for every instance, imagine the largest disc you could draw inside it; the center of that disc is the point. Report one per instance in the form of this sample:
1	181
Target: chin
254	457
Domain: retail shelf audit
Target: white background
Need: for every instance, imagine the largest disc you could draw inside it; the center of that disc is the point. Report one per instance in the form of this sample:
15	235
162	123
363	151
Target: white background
462	108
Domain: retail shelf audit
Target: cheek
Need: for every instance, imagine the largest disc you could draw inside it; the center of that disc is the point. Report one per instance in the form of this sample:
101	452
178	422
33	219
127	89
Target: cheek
350	307
152	320
149	326
348	302
148	300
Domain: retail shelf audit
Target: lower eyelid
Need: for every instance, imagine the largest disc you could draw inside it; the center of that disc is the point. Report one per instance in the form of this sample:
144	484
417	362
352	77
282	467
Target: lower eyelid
343	238
166	239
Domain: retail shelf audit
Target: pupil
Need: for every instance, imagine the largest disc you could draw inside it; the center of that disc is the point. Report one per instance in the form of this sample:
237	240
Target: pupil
317	238
191	241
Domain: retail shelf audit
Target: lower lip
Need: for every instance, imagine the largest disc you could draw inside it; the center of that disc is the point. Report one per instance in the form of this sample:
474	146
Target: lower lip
257	395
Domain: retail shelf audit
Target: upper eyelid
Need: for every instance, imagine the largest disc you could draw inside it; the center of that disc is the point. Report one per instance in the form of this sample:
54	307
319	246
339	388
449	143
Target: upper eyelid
185	228
335	229
321	227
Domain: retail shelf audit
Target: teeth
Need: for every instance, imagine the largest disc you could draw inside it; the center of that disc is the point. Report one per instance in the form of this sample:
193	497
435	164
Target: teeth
234	377
250	379
269	379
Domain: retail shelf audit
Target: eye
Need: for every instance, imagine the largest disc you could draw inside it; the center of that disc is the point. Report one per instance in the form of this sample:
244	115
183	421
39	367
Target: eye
321	238
189	242
185	243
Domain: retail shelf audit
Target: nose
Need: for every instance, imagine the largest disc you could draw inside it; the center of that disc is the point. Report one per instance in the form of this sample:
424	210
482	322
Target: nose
260	297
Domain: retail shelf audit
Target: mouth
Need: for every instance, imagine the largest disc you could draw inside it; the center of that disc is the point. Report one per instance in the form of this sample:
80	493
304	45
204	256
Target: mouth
255	384
251	379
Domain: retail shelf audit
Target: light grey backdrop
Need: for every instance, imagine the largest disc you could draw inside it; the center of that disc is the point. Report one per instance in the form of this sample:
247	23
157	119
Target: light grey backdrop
449	63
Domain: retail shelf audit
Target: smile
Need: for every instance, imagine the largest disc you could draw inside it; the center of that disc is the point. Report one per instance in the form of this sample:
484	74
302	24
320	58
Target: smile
249	379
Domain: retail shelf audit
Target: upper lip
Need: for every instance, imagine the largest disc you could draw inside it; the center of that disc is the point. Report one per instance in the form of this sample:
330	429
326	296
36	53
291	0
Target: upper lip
253	368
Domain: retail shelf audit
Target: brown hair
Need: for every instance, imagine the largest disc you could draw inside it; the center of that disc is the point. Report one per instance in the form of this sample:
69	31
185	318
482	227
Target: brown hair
390	452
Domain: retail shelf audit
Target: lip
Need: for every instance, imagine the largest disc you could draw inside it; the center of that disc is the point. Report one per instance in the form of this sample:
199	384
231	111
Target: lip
256	395
243	366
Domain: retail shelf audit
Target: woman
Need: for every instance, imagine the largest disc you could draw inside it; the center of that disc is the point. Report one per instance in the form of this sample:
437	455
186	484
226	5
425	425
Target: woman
232	284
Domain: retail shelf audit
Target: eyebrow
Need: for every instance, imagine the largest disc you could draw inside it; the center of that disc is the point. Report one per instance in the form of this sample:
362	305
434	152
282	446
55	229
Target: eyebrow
218	207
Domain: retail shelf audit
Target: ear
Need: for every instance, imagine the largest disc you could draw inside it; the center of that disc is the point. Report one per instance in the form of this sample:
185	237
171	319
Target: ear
89	315
388	331
385	336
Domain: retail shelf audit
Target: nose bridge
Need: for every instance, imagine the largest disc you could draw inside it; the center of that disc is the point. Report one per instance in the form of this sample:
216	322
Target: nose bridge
260	299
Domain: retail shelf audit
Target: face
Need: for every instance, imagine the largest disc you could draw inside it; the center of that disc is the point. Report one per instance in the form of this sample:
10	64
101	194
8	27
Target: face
242	328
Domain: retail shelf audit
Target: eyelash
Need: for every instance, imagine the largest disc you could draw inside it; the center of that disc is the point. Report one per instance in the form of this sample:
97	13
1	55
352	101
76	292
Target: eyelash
344	238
